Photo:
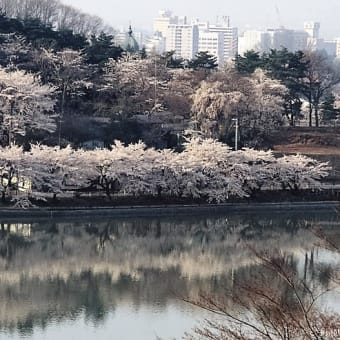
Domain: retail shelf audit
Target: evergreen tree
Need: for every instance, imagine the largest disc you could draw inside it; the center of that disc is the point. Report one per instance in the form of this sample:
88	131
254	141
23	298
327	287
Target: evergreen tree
9	25
142	53
171	61
249	62
290	68
41	35
328	110
101	49
66	39
322	75
204	61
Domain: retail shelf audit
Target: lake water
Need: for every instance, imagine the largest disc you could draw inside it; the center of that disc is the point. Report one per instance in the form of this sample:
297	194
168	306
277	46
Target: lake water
126	278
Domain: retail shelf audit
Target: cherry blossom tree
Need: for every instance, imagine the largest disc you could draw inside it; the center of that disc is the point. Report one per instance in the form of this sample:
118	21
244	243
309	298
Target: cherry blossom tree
256	100
262	111
138	84
25	103
296	172
207	170
214	106
180	89
15	50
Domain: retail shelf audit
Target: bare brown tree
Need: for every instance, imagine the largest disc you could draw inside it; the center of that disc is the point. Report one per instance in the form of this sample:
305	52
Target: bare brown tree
56	14
273	303
321	76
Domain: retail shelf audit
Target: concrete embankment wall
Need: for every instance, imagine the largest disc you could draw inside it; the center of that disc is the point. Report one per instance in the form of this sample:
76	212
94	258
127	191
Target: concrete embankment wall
168	210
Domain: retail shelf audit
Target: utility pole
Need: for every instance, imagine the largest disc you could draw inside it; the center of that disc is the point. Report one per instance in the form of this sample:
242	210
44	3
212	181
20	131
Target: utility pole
236	132
155	89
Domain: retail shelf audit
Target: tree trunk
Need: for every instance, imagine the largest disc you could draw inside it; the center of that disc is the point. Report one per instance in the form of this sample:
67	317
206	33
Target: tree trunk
310	113
10	138
316	114
63	97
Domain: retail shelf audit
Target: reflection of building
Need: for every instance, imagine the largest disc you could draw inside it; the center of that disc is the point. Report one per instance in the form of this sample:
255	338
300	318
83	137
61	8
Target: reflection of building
11	178
17	228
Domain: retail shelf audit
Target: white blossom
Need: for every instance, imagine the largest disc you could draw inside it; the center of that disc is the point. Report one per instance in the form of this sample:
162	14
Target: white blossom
206	170
25	102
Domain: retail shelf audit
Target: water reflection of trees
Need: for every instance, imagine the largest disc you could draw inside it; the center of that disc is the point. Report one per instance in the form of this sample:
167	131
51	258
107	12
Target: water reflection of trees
272	302
64	269
277	301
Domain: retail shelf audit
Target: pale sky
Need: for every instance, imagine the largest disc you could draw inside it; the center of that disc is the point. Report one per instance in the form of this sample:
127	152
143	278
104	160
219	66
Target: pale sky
243	13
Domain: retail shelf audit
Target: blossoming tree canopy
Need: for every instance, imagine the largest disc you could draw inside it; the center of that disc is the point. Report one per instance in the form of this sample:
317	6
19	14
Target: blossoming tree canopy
205	169
25	102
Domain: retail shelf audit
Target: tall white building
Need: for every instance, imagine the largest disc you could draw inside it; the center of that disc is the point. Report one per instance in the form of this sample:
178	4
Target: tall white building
337	49
155	44
281	38
263	40
331	47
188	38
313	30
230	40
162	22
183	39
256	40
300	40
212	42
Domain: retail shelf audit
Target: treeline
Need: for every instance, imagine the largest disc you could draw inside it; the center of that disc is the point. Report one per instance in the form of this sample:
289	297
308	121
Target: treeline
34	32
102	93
67	62
206	169
55	14
309	76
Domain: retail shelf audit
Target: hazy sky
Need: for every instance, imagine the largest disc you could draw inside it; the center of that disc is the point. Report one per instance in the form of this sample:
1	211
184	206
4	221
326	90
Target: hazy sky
243	13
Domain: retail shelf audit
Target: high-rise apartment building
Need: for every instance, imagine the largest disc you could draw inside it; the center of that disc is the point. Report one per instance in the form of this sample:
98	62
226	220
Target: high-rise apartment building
313	30
331	47
337	49
187	38
230	40
281	38
263	40
183	39
162	22
256	40
212	42
155	44
300	40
